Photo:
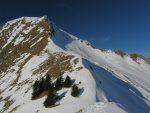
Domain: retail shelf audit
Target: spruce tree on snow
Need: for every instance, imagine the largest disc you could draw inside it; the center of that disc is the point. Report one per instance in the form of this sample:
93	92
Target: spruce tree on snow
37	88
41	85
51	88
51	99
59	83
47	82
67	82
75	91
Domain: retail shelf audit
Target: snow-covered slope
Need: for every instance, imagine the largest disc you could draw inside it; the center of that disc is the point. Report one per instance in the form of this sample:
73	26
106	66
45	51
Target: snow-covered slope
32	47
103	108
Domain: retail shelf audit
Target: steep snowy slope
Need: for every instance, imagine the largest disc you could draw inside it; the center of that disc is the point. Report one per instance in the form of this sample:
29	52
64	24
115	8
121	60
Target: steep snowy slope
103	108
32	47
117	77
30	58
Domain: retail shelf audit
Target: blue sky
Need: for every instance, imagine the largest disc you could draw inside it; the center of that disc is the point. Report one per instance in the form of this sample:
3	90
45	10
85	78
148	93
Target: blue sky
114	24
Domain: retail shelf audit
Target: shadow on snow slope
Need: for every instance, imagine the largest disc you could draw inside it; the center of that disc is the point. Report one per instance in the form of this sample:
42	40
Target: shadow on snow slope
117	90
61	38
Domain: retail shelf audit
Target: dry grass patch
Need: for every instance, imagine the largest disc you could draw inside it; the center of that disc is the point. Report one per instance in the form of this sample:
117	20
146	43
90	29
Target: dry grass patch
80	111
76	61
120	53
135	56
79	68
14	109
7	104
103	50
56	64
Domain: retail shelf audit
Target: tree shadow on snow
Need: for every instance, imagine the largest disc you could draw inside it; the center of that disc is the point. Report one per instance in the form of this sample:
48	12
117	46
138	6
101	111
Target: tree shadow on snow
81	90
63	94
72	81
61	38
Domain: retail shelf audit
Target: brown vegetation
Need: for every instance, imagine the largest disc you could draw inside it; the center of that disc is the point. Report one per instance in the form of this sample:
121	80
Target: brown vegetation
56	64
120	53
11	54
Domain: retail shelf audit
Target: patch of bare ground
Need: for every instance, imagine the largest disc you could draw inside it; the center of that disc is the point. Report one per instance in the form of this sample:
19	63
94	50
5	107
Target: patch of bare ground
79	68
14	109
32	44
76	61
135	56
56	64
12	52
120	53
80	111
8	103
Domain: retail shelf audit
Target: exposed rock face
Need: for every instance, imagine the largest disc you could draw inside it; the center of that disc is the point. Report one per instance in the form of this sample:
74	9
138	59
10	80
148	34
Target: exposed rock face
21	37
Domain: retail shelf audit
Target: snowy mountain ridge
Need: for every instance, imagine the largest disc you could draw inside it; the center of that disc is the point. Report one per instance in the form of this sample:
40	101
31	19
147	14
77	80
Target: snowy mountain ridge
33	46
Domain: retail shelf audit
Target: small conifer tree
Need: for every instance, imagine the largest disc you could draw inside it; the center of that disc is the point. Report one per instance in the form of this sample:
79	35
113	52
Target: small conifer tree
59	83
51	99
47	82
67	82
37	88
75	91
